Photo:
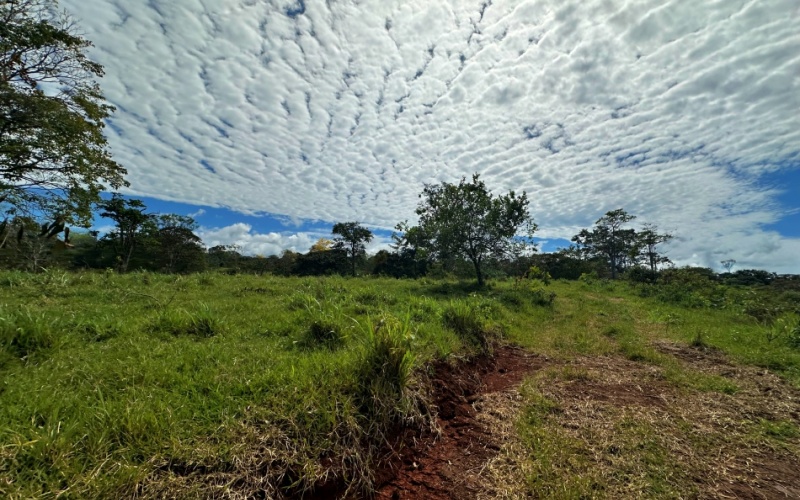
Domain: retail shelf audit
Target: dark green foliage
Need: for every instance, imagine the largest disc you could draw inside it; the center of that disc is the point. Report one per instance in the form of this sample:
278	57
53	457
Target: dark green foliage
133	226
640	274
401	264
174	247
619	247
748	277
565	264
321	263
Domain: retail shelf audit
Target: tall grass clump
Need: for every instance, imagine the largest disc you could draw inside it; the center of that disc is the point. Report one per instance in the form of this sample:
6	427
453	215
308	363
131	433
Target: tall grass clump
327	327
468	322
25	332
390	394
201	323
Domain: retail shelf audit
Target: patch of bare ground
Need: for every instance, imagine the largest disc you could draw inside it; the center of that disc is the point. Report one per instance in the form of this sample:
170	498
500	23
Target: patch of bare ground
614	428
472	399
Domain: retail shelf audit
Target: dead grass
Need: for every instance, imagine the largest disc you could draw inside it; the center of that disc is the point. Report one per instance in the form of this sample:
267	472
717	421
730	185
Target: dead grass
609	427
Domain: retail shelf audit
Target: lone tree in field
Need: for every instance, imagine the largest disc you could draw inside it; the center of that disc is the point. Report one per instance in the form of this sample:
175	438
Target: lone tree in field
352	237
54	158
466	220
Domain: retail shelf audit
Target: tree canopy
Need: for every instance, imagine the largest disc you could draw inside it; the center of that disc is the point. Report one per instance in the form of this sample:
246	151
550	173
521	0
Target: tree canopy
622	247
465	220
54	158
352	237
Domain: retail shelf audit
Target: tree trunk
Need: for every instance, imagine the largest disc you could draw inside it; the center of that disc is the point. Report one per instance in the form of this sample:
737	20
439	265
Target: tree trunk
478	272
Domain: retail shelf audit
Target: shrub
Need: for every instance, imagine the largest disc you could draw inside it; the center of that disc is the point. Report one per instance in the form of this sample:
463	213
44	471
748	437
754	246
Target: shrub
535	273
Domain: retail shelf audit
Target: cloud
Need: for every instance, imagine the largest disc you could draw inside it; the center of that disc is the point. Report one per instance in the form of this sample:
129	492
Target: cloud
674	110
251	242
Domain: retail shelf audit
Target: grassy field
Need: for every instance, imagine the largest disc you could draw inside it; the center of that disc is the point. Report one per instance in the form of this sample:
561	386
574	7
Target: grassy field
209	385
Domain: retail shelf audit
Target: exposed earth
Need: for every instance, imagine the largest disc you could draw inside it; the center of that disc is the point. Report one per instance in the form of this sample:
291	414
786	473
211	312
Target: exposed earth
722	445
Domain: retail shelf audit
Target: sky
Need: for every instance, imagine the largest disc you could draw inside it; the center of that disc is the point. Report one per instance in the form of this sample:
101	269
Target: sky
271	120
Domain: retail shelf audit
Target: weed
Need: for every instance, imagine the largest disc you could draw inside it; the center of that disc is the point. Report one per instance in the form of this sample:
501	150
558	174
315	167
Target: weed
781	430
699	340
327	327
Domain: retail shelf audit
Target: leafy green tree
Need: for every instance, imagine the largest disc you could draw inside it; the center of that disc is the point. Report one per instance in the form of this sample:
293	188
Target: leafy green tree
178	248
352	237
609	240
132	223
321	263
465	220
410	258
54	157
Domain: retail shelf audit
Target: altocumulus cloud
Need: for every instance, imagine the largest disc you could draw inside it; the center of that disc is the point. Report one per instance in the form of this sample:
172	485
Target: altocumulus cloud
675	110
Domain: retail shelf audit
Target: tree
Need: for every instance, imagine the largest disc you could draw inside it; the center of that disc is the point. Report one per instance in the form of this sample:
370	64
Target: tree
728	264
465	220
53	154
609	240
131	221
410	258
649	239
352	237
322	245
178	248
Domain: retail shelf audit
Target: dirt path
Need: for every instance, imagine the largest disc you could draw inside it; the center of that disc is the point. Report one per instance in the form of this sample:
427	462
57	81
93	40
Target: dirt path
448	465
618	417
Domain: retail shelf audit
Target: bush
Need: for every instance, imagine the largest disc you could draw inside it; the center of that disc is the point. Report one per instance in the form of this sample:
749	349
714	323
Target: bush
641	275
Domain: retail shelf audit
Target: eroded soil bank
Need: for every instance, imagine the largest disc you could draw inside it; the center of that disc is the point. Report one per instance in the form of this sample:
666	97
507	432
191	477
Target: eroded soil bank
448	465
626	429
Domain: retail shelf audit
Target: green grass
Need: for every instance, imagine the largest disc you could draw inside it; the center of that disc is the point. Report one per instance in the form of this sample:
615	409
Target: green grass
150	384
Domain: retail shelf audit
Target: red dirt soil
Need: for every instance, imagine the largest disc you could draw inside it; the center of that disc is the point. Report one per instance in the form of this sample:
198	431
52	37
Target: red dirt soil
445	466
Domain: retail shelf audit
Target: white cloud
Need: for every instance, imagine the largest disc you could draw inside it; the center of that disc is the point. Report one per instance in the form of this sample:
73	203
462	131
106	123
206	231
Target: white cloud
251	242
672	109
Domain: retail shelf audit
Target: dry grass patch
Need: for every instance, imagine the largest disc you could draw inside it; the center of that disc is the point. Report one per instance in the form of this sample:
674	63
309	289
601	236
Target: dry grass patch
608	427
